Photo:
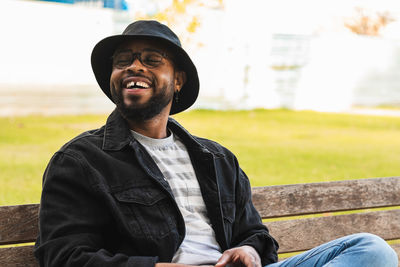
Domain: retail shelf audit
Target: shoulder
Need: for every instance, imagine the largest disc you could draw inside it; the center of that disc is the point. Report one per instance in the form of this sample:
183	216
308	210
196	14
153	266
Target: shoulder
72	160
214	146
222	155
84	141
188	138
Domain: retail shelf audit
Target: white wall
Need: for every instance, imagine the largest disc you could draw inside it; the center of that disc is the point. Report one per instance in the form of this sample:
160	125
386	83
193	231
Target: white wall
49	42
45	56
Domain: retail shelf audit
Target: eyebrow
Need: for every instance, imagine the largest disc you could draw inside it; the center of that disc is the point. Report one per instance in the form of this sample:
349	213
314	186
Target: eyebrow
146	49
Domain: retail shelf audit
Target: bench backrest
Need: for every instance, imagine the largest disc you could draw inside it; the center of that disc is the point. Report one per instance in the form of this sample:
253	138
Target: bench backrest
18	225
338	209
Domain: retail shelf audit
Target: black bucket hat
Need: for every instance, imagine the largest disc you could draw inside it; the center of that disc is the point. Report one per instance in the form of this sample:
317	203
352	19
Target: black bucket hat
147	29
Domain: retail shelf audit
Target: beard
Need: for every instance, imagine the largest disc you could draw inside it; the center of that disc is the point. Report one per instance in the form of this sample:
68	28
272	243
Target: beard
146	111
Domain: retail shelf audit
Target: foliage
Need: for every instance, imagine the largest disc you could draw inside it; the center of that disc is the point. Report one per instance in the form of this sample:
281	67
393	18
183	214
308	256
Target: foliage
184	16
365	23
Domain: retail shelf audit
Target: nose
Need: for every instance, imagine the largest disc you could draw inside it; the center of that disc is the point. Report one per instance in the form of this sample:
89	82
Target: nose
136	64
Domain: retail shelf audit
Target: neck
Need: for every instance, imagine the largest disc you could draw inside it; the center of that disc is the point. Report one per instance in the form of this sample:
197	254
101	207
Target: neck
155	128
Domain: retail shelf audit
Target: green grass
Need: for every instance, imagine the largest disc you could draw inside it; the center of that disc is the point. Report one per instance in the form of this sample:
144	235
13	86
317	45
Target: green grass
273	146
26	146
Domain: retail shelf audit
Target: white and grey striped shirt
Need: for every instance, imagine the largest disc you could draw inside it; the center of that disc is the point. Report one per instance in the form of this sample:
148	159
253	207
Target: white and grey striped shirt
171	156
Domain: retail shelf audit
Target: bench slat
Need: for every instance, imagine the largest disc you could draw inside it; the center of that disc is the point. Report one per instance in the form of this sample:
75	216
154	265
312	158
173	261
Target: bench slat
299	199
18	224
396	248
18	256
304	234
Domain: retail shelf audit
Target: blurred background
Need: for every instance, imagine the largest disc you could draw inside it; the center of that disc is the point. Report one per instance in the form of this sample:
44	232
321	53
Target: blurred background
300	90
318	55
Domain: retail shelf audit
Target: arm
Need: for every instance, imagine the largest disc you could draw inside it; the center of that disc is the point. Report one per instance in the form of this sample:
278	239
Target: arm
73	219
248	229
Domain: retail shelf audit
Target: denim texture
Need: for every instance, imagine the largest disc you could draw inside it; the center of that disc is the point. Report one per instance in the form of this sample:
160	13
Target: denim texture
105	202
357	250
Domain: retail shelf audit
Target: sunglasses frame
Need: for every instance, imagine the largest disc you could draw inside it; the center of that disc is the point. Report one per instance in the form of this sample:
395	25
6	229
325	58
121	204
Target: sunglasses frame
138	55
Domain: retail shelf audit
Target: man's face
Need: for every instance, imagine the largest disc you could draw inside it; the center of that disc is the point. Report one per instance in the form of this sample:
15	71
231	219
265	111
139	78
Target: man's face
144	88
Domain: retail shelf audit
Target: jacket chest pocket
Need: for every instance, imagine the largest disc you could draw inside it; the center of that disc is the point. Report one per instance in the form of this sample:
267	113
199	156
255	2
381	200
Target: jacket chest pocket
148	212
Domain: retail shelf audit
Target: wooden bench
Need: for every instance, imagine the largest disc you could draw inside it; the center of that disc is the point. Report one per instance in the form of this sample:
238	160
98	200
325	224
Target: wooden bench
18	224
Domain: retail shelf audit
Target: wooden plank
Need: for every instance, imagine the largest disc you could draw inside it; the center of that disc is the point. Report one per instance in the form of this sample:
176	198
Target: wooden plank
298	199
304	234
396	248
18	224
18	256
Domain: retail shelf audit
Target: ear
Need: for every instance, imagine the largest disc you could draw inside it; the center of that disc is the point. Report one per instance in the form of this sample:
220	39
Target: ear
180	79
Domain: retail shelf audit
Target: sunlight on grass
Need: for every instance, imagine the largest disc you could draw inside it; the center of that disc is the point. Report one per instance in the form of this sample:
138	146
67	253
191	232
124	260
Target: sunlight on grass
26	146
285	147
273	146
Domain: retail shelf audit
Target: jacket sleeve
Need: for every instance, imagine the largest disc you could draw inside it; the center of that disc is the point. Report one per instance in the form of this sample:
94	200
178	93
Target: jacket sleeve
72	220
248	227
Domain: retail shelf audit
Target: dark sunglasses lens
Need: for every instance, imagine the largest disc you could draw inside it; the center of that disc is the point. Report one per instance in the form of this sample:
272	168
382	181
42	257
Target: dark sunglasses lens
151	59
122	59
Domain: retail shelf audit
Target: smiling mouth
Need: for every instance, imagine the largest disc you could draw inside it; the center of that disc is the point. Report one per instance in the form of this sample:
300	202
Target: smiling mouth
137	85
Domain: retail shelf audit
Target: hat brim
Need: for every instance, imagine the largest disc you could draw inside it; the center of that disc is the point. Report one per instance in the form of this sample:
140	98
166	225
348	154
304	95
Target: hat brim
102	67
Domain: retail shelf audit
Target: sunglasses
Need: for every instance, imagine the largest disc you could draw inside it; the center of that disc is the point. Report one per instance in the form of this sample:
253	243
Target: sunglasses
148	58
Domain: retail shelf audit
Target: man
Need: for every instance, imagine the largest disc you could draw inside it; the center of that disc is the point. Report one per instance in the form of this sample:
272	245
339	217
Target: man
142	191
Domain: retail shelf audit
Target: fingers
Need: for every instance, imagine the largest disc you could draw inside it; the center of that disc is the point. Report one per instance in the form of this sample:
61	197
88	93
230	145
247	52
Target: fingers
241	256
225	259
230	258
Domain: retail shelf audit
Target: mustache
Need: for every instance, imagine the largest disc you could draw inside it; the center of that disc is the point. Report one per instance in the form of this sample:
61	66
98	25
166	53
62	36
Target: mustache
137	74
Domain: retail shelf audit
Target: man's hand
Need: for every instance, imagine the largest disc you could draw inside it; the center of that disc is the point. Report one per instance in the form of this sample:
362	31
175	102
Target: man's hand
240	256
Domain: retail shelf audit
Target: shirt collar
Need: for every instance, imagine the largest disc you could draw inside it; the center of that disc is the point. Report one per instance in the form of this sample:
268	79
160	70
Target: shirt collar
117	134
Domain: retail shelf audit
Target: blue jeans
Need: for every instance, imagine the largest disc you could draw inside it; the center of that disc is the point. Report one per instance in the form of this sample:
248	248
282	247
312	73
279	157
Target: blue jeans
356	250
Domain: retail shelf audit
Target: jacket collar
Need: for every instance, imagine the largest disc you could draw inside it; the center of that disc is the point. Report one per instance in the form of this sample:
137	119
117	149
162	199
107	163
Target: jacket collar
192	143
117	134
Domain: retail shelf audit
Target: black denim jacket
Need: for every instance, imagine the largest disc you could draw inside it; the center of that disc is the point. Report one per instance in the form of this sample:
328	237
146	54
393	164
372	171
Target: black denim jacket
106	203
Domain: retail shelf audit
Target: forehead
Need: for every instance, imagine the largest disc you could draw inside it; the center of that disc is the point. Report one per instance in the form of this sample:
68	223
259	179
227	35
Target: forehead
140	44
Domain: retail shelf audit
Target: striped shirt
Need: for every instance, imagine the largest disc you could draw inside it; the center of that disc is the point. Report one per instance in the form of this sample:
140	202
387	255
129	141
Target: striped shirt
170	154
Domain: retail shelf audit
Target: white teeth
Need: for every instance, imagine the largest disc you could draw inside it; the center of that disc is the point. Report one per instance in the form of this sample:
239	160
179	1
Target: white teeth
134	84
130	84
142	84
